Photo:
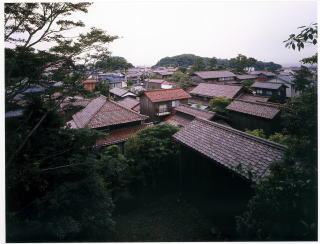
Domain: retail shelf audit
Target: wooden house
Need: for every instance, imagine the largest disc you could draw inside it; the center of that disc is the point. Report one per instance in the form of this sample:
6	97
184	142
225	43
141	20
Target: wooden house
216	77
222	162
108	116
90	84
245	114
276	91
204	92
151	84
159	103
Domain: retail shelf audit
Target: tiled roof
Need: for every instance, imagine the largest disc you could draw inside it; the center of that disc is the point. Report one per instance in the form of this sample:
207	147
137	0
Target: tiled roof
129	102
101	112
252	98
195	112
267	73
166	95
121	135
82	103
196	100
214	74
267	85
254	108
118	91
179	120
233	149
158	81
214	90
246	77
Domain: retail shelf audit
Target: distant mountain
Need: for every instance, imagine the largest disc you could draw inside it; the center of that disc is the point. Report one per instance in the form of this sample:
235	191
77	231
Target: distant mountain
185	60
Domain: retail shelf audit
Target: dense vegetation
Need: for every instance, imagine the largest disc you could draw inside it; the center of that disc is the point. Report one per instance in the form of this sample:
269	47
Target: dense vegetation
205	63
113	63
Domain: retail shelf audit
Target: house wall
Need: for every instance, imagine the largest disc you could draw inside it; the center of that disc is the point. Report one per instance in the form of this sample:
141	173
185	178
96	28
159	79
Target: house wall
89	86
242	121
151	109
152	85
277	95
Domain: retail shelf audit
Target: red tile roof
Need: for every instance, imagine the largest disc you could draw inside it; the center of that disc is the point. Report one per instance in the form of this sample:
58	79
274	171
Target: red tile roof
262	110
121	135
214	90
233	149
166	95
101	112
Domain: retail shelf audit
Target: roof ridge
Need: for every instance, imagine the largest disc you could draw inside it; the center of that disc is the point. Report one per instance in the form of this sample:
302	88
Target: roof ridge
170	89
244	134
145	116
100	97
259	103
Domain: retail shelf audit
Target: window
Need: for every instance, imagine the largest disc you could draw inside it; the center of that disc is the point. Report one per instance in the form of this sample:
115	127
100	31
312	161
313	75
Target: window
175	103
259	91
269	93
163	108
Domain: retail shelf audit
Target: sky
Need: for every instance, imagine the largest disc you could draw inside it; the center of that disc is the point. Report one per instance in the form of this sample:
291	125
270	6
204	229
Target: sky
152	30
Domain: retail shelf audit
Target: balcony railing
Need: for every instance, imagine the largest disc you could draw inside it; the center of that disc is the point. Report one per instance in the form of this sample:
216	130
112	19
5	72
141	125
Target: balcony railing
163	111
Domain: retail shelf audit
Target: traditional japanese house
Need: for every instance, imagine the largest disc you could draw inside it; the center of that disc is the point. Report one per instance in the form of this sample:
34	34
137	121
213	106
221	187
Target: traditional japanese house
245	114
106	115
246	77
288	81
130	103
159	103
184	114
263	75
119	93
217	77
223	161
202	93
276	91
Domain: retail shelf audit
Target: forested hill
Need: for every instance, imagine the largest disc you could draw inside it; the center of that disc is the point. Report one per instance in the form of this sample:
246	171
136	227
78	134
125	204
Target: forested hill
185	60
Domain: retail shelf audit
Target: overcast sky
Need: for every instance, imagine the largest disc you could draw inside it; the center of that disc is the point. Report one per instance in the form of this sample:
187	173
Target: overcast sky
150	31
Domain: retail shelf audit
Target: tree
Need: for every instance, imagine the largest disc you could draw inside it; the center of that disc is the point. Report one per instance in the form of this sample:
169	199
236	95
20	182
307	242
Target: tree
151	152
199	65
182	79
303	79
212	63
257	132
289	193
113	63
241	63
219	104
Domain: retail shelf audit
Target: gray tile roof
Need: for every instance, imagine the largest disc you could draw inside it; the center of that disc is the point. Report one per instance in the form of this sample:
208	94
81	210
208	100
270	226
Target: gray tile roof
252	98
101	112
179	120
158	81
253	108
267	85
214	90
267	73
195	112
118	91
246	77
214	74
233	149
129	102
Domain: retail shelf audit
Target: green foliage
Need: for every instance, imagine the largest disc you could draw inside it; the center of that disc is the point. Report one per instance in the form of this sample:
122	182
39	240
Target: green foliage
247	83
256	132
307	35
289	193
219	104
241	62
182	79
303	79
151	152
103	88
113	63
198	65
